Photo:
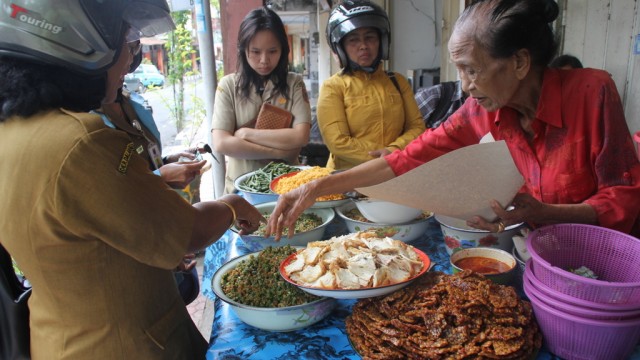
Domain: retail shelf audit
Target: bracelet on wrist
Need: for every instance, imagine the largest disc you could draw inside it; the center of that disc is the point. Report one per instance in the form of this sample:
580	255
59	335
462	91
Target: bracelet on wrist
233	212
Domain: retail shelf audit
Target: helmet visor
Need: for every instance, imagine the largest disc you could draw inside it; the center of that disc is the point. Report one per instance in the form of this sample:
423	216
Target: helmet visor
105	19
146	20
377	22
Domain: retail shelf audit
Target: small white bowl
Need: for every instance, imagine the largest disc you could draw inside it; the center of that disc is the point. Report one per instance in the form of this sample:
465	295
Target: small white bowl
328	204
273	319
404	232
457	235
490	253
386	212
255	242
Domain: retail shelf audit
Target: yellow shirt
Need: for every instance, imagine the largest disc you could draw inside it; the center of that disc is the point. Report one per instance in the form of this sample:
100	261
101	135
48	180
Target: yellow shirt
231	113
362	112
97	235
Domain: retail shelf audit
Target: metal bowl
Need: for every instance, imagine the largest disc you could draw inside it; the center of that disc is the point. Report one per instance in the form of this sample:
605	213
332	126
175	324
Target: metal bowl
257	242
406	232
272	319
457	235
386	212
252	196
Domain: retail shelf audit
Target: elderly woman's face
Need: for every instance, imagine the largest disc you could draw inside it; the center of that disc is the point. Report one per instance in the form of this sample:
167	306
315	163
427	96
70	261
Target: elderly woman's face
491	82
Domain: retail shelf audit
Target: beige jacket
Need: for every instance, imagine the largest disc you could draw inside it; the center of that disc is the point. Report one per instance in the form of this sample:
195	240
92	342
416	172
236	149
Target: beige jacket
231	113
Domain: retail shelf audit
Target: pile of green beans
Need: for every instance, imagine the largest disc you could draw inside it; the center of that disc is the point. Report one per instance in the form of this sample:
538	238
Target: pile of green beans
260	180
256	281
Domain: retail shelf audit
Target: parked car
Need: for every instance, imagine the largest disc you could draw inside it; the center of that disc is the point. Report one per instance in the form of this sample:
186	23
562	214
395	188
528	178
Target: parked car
149	75
133	84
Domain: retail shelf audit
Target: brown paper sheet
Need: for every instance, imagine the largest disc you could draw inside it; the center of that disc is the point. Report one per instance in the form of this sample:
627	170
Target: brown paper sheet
459	184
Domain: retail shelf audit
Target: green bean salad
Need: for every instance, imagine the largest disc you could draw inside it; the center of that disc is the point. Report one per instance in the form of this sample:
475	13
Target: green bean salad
256	281
259	182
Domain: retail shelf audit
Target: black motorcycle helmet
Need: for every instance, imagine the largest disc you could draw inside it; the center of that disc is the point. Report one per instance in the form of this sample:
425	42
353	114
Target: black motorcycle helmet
352	15
82	35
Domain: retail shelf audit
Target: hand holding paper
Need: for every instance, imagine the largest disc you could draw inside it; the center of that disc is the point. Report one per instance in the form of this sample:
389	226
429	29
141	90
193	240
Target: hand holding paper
459	184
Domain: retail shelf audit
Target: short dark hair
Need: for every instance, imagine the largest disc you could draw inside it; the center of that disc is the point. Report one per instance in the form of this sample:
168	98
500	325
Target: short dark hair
506	26
257	20
28	88
566	60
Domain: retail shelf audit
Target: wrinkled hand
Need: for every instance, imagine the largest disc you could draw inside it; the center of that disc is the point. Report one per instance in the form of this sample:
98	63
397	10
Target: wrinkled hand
178	174
187	263
287	211
525	208
379	153
248	218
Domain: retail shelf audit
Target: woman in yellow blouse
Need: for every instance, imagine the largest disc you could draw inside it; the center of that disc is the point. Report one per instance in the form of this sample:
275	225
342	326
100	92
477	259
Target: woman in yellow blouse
363	111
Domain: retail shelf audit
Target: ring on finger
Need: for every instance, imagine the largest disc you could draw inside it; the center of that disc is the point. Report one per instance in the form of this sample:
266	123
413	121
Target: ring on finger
500	227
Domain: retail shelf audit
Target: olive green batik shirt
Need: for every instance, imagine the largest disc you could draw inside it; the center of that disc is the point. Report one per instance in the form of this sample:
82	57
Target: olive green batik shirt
97	234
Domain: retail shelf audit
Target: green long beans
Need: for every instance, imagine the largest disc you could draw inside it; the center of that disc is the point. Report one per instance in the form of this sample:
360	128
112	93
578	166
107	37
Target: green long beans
260	180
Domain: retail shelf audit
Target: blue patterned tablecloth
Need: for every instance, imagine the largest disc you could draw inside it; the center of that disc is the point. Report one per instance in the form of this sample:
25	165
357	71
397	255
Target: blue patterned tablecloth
231	339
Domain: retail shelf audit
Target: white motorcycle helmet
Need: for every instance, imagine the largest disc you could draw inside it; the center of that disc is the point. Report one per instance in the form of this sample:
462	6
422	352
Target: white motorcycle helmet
82	35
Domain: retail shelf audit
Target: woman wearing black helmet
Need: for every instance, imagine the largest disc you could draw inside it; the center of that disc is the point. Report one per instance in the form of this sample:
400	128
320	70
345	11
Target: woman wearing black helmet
96	233
363	112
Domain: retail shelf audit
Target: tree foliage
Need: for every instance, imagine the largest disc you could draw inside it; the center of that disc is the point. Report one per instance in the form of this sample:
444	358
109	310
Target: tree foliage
180	64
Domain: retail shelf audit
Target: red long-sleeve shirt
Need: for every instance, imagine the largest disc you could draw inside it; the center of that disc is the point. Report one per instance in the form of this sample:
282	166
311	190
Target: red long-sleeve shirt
582	151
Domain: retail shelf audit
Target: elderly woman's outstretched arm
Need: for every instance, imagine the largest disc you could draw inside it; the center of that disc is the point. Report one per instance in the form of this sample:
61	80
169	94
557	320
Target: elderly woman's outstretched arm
293	203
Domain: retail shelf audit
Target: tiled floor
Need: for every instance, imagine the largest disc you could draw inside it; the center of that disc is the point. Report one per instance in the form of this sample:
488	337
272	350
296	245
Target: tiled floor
201	309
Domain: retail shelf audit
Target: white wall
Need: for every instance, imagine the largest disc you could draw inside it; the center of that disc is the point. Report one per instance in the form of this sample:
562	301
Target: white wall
416	34
632	105
601	33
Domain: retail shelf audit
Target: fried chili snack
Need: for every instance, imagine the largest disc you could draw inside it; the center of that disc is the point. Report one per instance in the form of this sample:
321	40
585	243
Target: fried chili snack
462	316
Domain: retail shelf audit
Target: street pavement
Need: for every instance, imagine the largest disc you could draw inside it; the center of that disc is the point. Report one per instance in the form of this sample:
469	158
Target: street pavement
161	101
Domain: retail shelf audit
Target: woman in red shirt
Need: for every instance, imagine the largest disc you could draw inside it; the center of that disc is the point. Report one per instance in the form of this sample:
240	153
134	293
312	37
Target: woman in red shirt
565	130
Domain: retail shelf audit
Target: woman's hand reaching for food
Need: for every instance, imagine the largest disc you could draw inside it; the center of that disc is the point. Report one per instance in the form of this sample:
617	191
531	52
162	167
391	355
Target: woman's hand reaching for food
247	218
288	209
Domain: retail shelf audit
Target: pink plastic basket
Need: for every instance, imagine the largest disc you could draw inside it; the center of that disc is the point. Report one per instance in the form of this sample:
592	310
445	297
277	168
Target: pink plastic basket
575	338
573	300
612	255
582	312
